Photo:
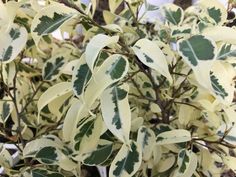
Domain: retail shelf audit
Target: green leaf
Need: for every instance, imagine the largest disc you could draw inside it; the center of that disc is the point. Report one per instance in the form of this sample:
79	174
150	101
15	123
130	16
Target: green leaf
127	161
100	155
218	88
225	51
215	14
49	24
52	67
47	155
196	48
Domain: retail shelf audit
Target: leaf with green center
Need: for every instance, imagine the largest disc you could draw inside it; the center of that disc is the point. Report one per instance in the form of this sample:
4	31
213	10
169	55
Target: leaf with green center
149	53
225	51
52	67
215	14
6	109
196	48
146	139
12	43
127	161
187	163
49	19
87	134
173	14
47	155
100	80
223	87
98	156
116	111
219	90
50	24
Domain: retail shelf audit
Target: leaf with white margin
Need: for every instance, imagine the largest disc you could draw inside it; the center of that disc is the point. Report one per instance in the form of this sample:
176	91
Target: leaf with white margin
113	69
6	159
187	163
230	136
53	67
6	107
34	146
215	10
149	53
81	76
69	119
127	161
49	19
146	139
199	52
116	111
227	34
95	45
52	93
12	43
226	51
87	134
173	136
223	87
98	156
173	14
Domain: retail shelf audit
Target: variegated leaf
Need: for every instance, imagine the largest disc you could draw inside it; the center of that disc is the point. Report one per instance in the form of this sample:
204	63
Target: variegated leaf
12	43
173	136
215	10
187	163
52	93
81	76
6	107
98	156
226	51
95	45
52	67
173	14
151	55
146	139
87	134
127	161
199	52
116	111
49	19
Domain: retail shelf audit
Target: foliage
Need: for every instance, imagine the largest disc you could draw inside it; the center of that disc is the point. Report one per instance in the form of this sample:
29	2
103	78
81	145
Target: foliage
145	99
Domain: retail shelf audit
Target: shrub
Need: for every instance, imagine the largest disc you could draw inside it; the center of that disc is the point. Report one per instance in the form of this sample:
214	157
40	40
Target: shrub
142	98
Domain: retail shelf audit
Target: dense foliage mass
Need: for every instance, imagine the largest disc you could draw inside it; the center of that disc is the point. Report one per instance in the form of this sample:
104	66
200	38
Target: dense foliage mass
142	98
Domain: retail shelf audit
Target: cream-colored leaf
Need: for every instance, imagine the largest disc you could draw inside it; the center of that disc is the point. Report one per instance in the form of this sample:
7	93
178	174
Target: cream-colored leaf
173	136
151	55
95	45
